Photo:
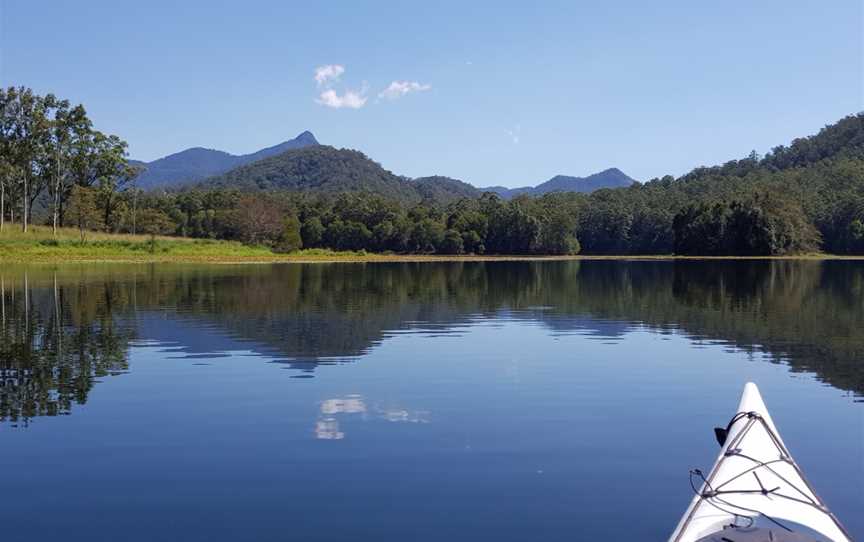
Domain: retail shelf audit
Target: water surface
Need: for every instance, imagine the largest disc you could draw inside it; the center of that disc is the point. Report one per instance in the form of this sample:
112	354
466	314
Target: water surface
458	401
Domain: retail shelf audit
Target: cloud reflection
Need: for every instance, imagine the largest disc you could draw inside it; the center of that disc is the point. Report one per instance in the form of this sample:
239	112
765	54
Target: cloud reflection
327	425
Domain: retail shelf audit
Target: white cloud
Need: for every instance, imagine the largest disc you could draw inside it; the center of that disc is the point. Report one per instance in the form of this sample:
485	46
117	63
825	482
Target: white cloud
515	134
351	99
324	75
397	89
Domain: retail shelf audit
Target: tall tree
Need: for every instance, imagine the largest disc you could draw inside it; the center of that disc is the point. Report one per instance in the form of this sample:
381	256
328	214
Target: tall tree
83	210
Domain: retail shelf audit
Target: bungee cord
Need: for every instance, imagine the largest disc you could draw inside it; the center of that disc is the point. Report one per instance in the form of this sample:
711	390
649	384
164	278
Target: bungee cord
714	495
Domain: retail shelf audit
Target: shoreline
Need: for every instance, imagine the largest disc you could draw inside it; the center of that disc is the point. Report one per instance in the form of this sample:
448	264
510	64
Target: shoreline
40	246
61	259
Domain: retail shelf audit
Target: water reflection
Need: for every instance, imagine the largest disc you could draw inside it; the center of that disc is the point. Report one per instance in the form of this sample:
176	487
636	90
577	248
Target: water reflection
327	426
55	342
62	329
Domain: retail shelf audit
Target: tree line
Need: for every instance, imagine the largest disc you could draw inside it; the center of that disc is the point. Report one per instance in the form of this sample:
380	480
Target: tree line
49	152
805	197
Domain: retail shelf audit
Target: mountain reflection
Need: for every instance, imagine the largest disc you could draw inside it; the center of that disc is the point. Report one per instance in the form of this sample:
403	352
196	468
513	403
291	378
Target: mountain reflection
63	329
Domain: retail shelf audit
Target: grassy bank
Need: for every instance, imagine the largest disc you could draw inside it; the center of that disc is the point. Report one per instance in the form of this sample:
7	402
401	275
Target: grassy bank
39	245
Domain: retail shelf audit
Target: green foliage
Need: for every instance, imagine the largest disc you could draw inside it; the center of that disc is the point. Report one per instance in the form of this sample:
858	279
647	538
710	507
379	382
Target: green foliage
318	168
48	147
82	210
443	190
347	235
765	225
452	243
312	232
154	222
290	240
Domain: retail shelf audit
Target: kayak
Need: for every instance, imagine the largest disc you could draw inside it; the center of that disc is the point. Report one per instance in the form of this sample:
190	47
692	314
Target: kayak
755	491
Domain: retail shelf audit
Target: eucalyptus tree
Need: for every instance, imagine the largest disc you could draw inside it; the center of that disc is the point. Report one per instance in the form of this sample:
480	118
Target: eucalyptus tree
31	133
45	143
68	124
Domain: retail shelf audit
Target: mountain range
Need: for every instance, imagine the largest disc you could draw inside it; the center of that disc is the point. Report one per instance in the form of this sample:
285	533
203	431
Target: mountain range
608	178
199	163
303	163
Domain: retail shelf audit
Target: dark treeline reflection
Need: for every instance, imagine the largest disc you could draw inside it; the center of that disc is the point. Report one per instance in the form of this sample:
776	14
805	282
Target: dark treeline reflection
56	340
64	328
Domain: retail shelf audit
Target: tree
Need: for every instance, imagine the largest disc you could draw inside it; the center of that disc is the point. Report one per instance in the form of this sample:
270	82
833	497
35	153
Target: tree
312	232
7	173
452	243
347	235
155	222
24	125
290	240
83	211
512	230
258	220
60	139
427	236
46	144
765	224
557	231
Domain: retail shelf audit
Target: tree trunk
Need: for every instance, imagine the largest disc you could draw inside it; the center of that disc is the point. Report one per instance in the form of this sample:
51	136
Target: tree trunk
56	194
2	204
24	205
54	224
106	220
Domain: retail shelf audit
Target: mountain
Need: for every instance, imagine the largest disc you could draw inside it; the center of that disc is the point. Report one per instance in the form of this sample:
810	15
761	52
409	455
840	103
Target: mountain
322	168
198	163
609	178
444	189
318	168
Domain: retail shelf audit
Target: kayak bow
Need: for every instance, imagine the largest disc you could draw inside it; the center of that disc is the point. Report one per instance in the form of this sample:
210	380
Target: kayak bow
755	490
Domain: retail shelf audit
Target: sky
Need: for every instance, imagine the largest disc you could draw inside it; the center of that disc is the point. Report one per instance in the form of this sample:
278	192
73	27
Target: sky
494	93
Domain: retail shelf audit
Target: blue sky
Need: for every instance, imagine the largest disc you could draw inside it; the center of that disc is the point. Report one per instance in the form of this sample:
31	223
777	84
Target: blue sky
499	92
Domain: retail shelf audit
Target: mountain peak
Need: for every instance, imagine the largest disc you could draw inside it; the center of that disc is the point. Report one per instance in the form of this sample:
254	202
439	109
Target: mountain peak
307	137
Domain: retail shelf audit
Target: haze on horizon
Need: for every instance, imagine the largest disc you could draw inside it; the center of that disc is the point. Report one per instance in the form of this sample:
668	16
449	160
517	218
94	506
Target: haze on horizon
492	94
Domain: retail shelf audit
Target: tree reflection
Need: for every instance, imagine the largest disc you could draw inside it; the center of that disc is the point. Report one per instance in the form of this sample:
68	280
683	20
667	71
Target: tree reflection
56	340
62	329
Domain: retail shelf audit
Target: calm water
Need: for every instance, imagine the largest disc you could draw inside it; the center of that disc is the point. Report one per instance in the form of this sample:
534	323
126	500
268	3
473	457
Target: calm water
462	401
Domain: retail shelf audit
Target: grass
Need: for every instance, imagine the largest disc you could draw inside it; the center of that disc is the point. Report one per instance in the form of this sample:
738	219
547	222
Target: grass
39	245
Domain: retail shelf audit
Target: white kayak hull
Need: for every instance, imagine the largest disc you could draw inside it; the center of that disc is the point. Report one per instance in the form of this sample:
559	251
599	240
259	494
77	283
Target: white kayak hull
755	490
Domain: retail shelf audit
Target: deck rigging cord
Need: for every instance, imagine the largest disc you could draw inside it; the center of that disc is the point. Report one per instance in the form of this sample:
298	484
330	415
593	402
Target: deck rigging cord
712	494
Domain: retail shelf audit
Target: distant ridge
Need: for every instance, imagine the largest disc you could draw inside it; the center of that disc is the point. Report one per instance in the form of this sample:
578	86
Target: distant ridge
199	163
608	178
444	189
325	169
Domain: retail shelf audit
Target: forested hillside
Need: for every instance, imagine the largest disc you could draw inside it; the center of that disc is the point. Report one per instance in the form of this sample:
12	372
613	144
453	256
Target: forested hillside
318	169
444	189
804	197
324	169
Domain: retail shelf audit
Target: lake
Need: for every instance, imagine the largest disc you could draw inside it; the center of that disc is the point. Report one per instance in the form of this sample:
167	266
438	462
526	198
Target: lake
557	400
